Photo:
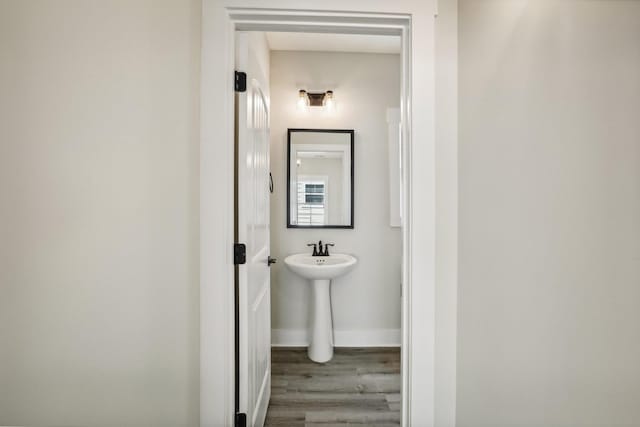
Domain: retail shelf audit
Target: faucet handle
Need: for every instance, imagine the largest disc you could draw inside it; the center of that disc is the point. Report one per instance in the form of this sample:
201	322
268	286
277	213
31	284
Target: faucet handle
315	248
326	248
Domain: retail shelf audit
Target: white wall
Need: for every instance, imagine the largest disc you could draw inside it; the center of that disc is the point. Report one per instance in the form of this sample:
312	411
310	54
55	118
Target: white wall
366	302
99	213
549	324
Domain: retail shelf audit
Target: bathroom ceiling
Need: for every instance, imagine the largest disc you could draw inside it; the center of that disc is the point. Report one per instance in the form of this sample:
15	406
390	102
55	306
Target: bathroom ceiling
333	42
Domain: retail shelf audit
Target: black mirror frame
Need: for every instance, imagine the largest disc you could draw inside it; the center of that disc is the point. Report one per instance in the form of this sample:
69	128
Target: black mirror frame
347	131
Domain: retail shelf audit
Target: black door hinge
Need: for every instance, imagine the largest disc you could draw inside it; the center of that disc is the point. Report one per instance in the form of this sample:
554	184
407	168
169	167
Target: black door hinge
239	253
241	420
240	82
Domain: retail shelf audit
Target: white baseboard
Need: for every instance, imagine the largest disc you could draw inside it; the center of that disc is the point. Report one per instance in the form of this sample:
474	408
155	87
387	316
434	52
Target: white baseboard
289	338
342	338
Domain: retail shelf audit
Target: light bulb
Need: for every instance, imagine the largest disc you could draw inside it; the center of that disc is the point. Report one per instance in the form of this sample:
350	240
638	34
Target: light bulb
329	101
303	100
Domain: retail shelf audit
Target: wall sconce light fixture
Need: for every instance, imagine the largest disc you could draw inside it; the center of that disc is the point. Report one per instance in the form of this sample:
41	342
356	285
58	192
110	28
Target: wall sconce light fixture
316	99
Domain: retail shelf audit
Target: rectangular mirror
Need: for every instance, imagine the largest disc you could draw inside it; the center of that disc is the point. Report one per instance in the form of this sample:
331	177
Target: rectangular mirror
319	178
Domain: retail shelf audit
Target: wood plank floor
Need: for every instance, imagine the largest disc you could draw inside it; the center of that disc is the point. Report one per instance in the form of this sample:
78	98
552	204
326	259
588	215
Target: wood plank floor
359	386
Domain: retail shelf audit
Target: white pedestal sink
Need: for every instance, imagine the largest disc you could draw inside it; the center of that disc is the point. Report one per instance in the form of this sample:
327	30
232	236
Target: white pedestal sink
320	270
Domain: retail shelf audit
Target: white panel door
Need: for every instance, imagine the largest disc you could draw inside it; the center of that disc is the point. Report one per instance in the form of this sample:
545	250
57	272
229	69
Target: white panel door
253	229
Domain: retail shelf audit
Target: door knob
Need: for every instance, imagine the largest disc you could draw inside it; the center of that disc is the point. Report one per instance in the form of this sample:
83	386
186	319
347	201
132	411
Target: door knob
270	261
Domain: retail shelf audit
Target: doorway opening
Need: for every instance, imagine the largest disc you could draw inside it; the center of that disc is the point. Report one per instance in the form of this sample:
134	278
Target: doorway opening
304	195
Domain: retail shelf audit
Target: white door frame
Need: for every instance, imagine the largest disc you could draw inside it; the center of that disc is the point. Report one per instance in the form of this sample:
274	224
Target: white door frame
221	18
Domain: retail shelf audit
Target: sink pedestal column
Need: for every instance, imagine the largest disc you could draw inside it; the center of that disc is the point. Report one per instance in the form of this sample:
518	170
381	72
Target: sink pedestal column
321	345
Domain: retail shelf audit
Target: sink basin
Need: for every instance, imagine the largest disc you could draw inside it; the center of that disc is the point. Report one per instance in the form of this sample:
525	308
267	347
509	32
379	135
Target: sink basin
320	270
320	267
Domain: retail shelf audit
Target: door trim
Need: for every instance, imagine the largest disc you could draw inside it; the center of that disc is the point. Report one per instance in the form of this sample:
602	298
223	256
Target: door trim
220	21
